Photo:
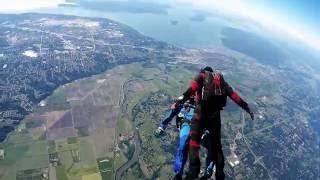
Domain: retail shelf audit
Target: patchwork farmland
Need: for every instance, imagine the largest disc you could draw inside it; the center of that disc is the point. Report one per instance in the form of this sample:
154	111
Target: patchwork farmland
85	130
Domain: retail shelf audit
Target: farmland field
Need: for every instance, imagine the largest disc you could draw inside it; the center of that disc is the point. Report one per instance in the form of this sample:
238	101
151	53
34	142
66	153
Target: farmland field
85	128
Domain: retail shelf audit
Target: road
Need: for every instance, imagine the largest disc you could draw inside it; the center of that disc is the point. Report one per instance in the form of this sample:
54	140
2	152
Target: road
258	160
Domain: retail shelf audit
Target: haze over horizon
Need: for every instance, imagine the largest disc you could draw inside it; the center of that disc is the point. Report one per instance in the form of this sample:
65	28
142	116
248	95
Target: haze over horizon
295	18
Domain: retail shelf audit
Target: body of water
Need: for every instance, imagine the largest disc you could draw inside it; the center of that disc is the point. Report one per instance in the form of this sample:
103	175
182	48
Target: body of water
181	26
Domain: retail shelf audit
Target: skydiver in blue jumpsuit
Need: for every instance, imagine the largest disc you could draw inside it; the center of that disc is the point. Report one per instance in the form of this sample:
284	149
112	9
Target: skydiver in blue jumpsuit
173	112
184	113
185	116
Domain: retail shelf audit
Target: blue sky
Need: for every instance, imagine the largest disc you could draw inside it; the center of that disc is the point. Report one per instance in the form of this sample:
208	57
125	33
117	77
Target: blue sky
304	13
298	19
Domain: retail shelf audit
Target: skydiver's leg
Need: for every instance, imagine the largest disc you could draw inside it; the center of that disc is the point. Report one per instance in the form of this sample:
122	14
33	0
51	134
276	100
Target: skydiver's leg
215	135
186	148
209	158
194	144
169	116
185	154
207	143
181	153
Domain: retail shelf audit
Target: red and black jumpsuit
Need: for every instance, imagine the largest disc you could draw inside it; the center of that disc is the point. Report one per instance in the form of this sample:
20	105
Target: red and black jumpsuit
207	116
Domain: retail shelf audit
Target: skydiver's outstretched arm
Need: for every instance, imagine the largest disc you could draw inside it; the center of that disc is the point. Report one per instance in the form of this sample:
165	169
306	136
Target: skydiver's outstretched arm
237	99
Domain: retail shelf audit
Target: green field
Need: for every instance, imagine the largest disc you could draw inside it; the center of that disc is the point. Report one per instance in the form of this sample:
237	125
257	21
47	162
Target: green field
61	173
38	148
56	102
13	153
135	100
124	125
76	155
106	168
32	162
119	160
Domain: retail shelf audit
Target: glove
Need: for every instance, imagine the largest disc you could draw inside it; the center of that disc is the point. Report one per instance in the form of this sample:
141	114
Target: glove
251	115
247	109
178	101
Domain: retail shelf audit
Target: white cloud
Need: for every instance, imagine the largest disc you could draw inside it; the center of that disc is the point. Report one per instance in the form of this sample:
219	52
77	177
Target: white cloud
268	19
25	5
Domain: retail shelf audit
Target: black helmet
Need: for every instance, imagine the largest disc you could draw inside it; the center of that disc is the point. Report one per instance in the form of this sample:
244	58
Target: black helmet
207	68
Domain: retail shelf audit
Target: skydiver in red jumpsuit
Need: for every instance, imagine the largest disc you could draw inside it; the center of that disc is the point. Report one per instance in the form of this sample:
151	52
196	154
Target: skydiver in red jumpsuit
211	91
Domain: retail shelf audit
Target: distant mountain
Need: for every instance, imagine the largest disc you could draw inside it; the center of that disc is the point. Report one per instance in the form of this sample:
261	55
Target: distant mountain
253	45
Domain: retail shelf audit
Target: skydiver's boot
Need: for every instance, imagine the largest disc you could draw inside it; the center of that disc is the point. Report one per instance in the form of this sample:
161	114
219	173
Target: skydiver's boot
220	164
178	177
209	171
205	177
159	131
220	175
194	164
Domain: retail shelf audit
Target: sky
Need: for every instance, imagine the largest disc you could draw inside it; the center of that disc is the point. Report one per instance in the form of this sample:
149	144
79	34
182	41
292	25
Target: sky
304	12
25	5
297	18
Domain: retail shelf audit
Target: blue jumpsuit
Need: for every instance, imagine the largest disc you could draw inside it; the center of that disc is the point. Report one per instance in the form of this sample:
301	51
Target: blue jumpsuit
182	153
170	115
